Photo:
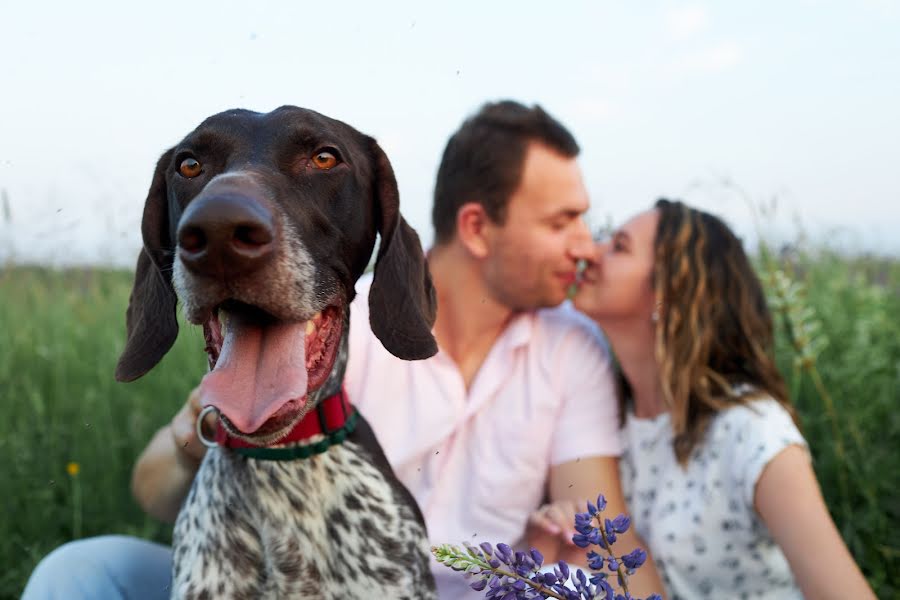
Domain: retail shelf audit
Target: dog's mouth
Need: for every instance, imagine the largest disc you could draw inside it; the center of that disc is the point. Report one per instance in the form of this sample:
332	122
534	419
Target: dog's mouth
263	369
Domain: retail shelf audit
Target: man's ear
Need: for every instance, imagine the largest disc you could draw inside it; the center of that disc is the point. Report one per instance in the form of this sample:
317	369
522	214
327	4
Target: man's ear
151	322
402	303
473	227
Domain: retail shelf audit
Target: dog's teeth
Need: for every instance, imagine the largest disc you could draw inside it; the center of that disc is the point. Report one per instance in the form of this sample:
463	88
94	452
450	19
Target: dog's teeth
310	327
223	321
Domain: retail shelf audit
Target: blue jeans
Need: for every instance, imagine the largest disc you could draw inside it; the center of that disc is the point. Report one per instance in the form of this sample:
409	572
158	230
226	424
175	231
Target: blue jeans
109	566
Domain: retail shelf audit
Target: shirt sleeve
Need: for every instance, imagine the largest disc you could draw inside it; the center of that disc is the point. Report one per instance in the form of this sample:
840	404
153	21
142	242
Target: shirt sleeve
358	344
588	419
761	429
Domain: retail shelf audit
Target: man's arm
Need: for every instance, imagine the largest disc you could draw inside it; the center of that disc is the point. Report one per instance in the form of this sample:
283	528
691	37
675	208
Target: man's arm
571	485
587	426
163	473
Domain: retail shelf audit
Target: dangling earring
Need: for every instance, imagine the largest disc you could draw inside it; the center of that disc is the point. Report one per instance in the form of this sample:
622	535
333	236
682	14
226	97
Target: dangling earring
654	316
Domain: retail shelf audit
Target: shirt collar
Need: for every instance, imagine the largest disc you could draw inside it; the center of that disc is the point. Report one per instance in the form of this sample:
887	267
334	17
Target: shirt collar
519	330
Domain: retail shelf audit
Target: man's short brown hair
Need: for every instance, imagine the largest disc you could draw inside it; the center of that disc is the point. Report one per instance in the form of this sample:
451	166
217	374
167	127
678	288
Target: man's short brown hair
483	160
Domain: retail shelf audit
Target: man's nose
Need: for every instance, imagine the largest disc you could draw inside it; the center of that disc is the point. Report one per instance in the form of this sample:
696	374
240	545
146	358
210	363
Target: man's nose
581	245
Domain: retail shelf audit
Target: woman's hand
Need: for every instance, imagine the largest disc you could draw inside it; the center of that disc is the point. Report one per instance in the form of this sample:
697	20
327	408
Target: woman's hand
550	527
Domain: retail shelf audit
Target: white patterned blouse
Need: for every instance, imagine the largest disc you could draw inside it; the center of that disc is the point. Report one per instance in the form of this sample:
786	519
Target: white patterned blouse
700	523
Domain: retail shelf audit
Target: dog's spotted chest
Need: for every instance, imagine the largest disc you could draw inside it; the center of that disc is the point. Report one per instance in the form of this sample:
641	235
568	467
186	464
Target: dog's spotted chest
329	526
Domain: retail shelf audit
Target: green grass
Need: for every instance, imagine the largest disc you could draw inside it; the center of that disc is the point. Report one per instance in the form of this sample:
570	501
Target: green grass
61	333
848	396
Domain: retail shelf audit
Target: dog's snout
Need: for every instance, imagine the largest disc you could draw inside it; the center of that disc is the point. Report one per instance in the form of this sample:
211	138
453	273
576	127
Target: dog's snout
225	235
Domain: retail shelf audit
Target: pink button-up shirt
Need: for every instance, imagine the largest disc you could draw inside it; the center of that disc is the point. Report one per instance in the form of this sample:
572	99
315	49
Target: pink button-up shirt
476	461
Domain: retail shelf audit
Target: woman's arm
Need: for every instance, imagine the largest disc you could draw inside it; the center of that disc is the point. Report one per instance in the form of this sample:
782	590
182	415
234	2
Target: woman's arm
571	485
163	473
790	503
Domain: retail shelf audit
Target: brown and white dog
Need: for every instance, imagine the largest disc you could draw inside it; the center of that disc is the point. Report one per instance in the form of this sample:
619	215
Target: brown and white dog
261	223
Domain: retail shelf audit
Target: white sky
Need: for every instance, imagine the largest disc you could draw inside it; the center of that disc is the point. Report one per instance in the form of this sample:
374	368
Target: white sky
798	101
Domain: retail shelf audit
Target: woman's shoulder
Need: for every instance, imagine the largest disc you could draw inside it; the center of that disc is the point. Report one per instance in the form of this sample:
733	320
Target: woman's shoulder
748	435
757	414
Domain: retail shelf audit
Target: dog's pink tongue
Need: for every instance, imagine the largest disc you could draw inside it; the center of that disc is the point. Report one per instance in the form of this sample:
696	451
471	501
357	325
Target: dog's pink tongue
259	370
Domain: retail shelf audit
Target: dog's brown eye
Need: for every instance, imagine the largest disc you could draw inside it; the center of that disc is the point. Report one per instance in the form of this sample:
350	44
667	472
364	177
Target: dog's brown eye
324	160
190	167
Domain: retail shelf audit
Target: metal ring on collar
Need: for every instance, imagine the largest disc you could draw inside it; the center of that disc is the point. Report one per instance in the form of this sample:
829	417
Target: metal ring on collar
203	439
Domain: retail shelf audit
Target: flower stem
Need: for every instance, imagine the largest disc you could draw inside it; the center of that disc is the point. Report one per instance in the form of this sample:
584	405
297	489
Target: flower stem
619	569
486	567
539	587
76	508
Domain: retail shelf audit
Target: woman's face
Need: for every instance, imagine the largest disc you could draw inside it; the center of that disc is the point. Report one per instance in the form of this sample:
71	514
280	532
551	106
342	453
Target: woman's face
618	285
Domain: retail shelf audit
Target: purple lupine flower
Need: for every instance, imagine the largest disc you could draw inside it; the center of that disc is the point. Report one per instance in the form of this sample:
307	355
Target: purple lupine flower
604	585
479	585
634	559
523	564
511	590
598	576
582	585
580	540
562	570
621	523
525	581
595	561
584	522
547	579
504	553
610	530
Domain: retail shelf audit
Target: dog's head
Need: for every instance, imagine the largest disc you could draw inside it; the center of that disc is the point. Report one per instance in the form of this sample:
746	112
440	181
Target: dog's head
262	224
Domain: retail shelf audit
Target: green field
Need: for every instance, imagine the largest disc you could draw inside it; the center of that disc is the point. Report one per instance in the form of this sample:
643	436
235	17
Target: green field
61	332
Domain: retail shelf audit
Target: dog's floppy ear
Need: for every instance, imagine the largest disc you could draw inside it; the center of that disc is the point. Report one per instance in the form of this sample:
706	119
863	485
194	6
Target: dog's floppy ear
151	322
402	302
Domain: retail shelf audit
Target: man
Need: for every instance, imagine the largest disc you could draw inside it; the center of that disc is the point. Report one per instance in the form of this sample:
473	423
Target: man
518	404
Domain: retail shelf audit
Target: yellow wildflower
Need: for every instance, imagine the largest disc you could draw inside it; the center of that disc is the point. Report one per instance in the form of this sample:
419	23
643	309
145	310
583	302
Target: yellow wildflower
73	468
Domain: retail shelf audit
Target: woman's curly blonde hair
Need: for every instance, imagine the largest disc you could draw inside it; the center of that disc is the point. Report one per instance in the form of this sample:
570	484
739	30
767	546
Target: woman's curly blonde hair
714	334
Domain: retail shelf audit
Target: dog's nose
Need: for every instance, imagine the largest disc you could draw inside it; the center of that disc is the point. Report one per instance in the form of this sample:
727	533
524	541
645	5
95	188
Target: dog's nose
225	235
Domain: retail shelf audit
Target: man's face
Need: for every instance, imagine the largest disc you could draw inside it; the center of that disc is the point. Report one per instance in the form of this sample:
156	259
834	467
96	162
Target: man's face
532	257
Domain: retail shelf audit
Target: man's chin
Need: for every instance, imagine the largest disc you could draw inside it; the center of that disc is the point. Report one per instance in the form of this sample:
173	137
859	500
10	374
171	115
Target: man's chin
520	302
548	302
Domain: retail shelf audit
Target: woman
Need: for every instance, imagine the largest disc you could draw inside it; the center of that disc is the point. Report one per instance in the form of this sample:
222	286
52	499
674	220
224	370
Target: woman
717	476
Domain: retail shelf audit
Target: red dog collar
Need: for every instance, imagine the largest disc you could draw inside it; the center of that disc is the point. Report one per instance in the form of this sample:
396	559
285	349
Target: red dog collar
332	418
